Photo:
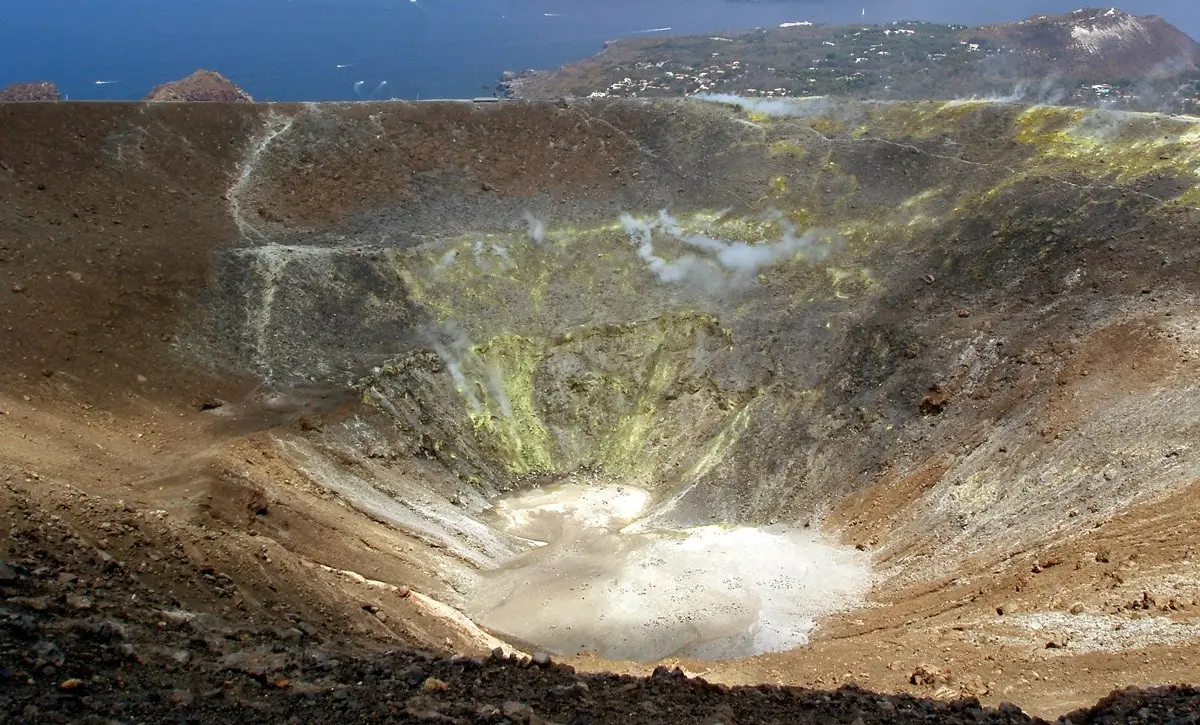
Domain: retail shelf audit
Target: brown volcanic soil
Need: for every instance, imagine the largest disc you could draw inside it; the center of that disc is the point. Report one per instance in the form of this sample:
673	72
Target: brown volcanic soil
165	558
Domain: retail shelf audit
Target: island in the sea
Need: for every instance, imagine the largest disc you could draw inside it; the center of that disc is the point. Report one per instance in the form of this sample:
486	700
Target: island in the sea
201	86
1087	57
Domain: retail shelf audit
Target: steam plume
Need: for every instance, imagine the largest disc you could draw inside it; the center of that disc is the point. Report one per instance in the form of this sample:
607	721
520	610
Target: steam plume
537	229
719	263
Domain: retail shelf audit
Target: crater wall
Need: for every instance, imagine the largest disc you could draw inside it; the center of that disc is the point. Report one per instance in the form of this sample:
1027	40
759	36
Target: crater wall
941	330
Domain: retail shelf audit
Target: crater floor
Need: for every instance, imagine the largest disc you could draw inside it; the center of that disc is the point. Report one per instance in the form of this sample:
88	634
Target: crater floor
604	580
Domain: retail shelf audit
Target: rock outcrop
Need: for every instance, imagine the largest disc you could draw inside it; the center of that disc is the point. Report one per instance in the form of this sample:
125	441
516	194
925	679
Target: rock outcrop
39	91
1096	43
203	85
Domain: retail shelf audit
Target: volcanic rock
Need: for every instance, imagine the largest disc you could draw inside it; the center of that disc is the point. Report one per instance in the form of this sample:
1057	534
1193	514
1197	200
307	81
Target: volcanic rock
203	85
39	91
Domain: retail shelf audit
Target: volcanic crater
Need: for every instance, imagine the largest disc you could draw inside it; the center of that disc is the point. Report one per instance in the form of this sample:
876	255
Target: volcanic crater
807	392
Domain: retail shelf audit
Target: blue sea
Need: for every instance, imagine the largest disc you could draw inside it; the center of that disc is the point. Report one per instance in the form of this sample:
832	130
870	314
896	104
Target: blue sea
294	50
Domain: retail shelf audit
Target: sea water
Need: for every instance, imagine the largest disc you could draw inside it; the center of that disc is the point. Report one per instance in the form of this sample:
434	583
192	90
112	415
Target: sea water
313	50
309	50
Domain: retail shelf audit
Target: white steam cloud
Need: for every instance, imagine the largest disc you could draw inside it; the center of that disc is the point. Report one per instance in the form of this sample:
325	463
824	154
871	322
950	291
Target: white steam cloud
490	257
537	229
452	352
495	382
779	107
461	360
720	263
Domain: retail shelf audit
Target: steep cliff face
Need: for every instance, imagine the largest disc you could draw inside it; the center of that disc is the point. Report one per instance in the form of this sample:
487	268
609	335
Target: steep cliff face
327	338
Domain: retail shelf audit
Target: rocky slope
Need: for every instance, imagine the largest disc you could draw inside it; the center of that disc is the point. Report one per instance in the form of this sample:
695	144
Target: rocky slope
268	368
86	637
1094	57
1106	43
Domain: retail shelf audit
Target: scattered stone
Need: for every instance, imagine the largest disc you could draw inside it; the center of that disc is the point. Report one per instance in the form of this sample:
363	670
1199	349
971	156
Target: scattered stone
180	697
18	288
307	628
7	573
1045	563
257	664
291	635
518	712
973	686
79	602
433	684
575	689
37	604
541	659
1144	602
424	707
1077	608
24	625
927	675
934	401
1058	640
176	619
414	675
1007	608
108	560
71	684
49	653
964	312
108	631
